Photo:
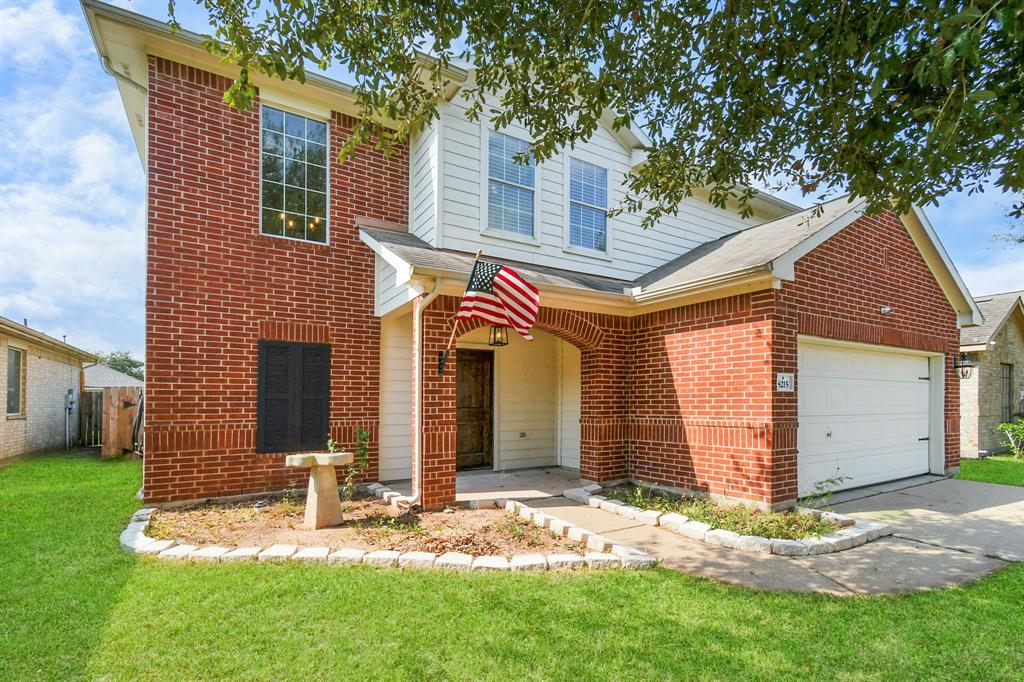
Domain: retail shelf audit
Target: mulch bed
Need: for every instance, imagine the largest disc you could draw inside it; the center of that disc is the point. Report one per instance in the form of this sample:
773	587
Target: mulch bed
369	524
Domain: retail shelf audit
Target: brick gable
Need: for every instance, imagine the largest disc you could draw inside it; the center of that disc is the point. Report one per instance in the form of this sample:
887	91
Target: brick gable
215	286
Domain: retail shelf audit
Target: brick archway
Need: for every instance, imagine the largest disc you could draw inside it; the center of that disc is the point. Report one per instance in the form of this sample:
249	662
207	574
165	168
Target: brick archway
601	340
567	325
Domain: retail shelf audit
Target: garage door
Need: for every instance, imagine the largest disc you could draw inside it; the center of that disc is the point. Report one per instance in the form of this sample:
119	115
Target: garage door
863	415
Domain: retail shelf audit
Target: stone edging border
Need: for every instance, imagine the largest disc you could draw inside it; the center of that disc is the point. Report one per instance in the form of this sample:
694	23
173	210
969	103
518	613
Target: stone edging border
605	553
853	532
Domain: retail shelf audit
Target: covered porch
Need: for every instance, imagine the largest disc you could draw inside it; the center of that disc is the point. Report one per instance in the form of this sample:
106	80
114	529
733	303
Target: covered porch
555	403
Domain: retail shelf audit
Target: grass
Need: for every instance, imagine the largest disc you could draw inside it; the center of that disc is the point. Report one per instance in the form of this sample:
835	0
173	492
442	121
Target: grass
737	518
1007	470
75	606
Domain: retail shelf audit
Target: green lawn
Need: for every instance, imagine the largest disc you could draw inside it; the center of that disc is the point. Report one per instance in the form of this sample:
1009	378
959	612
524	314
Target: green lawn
1007	470
73	605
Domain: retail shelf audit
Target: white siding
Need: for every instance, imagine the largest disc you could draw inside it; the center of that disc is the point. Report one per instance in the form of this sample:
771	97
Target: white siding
388	295
396	398
424	194
633	250
569	398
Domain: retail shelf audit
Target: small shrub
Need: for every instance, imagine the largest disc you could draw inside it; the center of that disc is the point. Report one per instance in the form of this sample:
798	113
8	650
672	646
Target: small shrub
1014	432
822	492
359	463
738	518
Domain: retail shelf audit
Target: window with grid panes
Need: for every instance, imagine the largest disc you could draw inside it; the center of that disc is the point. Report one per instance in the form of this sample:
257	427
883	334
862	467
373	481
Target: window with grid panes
293	175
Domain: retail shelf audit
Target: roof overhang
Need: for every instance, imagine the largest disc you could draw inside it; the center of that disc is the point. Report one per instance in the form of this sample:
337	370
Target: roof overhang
1016	311
38	338
628	303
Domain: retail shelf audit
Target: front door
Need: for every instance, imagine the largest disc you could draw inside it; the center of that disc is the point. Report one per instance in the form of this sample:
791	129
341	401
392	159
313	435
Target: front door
474	412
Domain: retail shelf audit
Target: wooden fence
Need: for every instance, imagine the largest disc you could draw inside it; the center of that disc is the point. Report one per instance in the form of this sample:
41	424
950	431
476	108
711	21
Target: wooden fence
90	415
108	418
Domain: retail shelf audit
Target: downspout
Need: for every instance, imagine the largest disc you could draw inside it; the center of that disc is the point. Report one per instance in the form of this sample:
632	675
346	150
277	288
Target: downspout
417	440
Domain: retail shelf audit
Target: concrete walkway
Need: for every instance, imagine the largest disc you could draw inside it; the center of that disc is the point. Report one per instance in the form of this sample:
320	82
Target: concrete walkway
947	532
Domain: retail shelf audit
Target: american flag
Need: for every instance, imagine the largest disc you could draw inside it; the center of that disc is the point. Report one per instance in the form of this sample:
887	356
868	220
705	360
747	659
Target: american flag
498	295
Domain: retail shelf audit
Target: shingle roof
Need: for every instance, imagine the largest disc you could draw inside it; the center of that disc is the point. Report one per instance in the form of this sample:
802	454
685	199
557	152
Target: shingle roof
747	249
101	376
744	250
420	254
995	308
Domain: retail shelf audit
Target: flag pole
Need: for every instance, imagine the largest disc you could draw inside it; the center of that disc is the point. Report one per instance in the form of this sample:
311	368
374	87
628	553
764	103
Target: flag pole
442	357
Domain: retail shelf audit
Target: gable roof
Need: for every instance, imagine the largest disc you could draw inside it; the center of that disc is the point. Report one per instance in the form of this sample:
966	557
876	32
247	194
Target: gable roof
12	328
102	376
997	309
751	248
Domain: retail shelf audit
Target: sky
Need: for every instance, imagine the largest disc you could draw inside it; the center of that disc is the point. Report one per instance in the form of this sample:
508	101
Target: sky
72	187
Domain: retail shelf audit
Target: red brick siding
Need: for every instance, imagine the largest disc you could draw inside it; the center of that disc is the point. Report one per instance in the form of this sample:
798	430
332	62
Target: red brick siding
838	293
700	406
215	286
703	411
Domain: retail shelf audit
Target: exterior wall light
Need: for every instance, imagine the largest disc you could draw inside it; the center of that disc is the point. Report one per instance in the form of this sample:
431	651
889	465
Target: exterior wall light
964	365
499	336
886	310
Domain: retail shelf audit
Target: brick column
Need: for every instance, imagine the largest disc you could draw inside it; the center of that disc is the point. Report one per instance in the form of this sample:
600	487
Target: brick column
438	425
604	406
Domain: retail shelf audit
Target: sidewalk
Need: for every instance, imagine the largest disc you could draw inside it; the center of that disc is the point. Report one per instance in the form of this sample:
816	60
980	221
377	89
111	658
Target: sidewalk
888	565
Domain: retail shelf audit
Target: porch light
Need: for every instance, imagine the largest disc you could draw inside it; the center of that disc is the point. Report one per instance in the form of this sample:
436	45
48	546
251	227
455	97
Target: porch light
499	336
963	365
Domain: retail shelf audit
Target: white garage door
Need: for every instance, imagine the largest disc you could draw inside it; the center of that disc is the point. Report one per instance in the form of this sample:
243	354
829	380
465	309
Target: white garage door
863	415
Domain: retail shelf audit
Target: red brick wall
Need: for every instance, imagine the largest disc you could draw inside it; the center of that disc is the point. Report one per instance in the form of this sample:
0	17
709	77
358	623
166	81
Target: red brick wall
215	286
838	293
703	411
700	409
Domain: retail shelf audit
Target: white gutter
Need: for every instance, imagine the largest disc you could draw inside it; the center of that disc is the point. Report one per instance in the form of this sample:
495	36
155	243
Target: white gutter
638	295
417	441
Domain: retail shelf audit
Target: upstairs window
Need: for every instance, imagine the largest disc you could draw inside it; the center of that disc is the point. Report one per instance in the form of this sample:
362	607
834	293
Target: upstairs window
15	381
588	205
510	185
293	175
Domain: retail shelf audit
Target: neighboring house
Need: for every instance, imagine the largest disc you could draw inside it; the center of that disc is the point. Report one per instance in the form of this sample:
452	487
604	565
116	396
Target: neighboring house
994	393
99	377
290	297
42	378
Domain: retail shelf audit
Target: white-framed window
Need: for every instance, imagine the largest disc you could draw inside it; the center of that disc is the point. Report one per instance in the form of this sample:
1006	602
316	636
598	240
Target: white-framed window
15	381
511	186
293	175
588	205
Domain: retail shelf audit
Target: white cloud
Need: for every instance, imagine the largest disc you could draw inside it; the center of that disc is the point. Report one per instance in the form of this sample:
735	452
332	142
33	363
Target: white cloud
35	34
72	246
1003	272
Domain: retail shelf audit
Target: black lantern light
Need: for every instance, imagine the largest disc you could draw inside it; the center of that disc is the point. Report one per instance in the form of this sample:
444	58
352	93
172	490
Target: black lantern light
963	365
499	336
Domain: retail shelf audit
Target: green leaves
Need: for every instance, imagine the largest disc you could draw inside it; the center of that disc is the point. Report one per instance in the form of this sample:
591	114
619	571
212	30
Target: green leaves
907	102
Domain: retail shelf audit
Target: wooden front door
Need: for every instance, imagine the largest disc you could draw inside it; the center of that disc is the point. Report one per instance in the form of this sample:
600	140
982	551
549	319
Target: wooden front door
474	411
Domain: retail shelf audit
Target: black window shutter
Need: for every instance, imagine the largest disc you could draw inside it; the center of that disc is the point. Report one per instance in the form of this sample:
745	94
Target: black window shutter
293	396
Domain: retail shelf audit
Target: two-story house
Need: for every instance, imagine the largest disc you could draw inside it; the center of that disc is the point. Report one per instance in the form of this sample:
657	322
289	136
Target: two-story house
291	298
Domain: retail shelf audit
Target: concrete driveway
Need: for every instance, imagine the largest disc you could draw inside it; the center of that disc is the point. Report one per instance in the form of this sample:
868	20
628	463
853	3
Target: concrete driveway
946	532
